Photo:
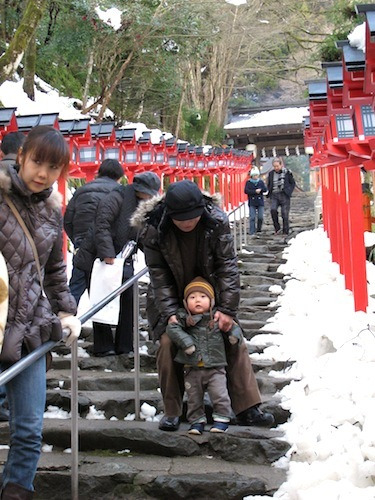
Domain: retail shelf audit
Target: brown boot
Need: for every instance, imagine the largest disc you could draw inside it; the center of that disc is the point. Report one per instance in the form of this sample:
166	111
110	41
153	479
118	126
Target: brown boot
13	491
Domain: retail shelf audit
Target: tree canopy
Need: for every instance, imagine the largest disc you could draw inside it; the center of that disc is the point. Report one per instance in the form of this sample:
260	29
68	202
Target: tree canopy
176	64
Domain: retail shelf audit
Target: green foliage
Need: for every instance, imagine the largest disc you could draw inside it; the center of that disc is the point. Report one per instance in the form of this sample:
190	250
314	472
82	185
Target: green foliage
344	19
62	59
194	124
300	166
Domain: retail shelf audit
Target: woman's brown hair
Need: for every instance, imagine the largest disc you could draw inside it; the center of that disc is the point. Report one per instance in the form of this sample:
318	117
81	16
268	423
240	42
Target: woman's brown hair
48	145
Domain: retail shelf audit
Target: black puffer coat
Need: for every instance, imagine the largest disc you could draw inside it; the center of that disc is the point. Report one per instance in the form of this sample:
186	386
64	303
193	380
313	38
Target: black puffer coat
111	229
32	316
217	261
81	209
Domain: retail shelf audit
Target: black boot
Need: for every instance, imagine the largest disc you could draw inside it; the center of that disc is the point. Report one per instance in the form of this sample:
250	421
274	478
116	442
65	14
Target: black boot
255	416
13	491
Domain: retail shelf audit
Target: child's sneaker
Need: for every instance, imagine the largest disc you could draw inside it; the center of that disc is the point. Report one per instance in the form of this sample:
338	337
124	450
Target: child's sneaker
219	427
197	429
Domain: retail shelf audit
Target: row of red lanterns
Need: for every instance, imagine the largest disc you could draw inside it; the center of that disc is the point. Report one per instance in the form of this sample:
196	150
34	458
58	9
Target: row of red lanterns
90	144
341	131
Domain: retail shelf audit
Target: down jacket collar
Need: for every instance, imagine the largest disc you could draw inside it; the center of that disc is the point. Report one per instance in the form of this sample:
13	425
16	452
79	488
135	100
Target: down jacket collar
10	181
153	211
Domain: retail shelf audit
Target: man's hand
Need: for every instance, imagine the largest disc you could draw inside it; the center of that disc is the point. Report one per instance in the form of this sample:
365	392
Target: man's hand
109	260
172	319
225	321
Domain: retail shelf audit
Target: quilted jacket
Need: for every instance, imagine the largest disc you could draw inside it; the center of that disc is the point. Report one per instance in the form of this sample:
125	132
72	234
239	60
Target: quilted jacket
81	209
208	340
32	316
217	261
111	229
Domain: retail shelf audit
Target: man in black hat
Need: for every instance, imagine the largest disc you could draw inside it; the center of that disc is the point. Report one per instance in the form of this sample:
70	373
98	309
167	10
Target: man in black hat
186	235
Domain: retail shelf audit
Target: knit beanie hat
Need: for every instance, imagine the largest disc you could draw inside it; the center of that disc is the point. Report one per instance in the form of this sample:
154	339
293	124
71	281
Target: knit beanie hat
184	200
254	171
199	284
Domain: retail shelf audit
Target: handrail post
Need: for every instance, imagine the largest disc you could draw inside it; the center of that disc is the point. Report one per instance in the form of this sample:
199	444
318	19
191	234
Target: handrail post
137	402
245	225
74	418
235	231
240	223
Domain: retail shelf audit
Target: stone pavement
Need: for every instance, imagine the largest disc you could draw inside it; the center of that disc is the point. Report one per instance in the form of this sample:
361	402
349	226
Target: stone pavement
134	460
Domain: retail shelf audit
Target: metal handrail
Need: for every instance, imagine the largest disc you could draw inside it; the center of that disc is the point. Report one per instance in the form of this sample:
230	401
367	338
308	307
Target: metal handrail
28	360
242	230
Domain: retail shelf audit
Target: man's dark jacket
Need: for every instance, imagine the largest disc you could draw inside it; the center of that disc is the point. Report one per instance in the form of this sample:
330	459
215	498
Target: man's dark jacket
81	209
289	183
216	260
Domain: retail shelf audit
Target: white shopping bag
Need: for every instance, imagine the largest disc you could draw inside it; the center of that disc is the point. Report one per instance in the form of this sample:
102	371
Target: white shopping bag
105	278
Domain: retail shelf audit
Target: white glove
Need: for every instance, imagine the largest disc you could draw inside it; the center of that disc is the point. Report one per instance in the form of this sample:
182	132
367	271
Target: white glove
232	339
189	350
72	323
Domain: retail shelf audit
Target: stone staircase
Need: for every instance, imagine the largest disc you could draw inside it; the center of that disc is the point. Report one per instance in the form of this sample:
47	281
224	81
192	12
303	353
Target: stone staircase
134	460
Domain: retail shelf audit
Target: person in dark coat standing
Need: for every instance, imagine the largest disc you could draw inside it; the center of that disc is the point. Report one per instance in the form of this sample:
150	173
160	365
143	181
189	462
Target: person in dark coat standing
112	231
255	189
10	148
80	214
280	185
186	235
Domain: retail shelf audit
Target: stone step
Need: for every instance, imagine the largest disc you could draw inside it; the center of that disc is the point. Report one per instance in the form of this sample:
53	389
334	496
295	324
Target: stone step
117	404
248	291
255	301
254	280
114	363
107	381
130	476
255	313
251	334
251	445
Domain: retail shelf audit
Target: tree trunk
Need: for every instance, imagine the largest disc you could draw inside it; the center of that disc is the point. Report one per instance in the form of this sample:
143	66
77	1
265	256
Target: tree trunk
108	93
29	69
88	78
12	57
179	113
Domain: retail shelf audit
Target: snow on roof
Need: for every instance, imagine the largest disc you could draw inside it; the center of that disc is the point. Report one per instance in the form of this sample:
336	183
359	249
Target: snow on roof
141	127
282	116
48	101
357	38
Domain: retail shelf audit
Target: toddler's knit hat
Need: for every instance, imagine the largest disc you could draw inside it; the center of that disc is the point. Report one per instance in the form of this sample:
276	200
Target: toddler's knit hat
199	284
254	171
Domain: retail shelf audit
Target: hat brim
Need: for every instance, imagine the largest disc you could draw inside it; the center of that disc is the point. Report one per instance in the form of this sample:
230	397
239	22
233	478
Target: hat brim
191	214
144	190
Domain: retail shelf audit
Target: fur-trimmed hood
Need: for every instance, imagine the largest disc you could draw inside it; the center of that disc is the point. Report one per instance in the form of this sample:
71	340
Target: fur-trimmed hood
155	207
10	180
